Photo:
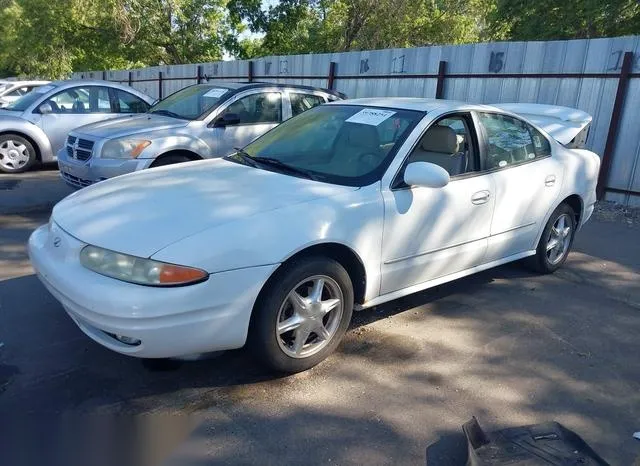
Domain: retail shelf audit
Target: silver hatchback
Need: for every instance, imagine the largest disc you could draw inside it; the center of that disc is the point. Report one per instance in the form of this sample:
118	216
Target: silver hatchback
198	122
34	127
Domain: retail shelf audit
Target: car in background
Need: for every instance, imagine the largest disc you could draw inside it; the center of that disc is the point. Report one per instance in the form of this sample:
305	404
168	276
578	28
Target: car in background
348	205
35	127
13	90
198	122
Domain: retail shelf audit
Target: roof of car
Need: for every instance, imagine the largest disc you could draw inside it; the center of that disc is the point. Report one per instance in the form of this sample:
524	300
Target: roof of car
260	84
413	103
66	83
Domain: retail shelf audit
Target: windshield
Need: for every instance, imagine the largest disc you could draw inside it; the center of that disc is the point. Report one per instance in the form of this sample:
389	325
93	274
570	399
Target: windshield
190	102
27	100
341	144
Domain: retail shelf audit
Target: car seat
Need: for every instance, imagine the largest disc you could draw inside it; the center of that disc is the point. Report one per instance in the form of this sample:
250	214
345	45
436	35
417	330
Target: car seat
440	146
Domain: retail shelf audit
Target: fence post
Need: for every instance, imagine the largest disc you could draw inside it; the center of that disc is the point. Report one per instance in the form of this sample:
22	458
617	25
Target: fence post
614	123
442	70
332	75
250	71
200	73
130	78
104	75
160	85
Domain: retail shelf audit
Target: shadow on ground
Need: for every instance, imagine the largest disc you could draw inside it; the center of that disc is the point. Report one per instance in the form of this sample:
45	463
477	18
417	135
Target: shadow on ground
507	346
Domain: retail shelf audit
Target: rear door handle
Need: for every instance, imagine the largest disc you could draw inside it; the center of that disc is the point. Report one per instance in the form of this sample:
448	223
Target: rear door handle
481	197
550	180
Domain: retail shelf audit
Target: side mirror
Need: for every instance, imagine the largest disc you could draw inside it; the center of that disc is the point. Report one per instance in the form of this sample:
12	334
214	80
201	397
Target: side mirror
227	119
425	174
45	108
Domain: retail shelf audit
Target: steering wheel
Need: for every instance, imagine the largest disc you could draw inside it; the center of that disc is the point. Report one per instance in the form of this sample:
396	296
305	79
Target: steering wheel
369	160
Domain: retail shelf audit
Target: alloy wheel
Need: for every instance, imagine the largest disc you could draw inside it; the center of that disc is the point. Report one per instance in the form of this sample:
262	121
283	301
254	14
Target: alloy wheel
309	316
559	239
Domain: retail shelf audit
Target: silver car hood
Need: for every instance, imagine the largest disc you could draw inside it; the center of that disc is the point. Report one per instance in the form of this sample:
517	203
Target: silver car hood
130	125
8	113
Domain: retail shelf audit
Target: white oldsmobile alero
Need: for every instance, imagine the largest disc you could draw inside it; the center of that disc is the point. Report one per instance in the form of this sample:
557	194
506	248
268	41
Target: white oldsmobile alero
348	205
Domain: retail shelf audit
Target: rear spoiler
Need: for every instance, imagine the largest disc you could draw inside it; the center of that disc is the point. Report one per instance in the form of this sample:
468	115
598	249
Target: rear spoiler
568	126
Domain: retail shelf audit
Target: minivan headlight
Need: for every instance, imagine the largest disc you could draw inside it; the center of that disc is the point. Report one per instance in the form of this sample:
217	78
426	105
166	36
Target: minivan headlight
138	270
124	148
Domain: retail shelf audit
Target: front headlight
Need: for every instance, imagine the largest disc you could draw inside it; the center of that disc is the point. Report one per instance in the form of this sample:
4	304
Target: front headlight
124	148
138	270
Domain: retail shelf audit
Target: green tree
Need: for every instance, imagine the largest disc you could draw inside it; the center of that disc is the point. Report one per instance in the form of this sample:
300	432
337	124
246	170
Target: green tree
567	19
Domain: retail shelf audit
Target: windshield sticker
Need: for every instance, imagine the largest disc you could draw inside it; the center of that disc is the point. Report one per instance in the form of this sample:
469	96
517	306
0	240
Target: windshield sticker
43	89
215	92
370	116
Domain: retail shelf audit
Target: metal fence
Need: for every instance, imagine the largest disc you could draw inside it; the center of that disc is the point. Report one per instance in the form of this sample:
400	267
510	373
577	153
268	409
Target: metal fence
599	76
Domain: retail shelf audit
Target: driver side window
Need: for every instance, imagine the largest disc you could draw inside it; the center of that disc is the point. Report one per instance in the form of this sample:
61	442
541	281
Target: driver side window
448	144
263	107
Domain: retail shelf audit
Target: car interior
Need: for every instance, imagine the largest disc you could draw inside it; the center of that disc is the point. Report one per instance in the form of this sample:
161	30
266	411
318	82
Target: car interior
447	145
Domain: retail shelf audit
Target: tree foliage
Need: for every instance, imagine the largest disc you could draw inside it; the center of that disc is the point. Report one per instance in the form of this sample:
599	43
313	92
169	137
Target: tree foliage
51	38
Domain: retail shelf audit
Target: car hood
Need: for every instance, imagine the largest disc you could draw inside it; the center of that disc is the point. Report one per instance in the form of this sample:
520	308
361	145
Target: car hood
8	114
130	125
143	212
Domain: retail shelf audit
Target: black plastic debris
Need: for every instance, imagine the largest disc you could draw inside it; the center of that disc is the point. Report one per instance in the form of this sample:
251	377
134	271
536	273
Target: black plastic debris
539	444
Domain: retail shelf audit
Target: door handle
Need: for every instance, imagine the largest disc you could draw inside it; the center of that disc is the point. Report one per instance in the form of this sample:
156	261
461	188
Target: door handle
481	197
550	180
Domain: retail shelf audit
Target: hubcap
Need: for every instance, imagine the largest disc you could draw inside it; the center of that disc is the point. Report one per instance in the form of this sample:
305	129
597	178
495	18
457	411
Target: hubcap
559	239
309	317
13	155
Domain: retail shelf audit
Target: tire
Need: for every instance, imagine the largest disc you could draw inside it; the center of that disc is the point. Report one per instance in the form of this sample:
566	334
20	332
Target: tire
278	304
169	160
548	260
17	154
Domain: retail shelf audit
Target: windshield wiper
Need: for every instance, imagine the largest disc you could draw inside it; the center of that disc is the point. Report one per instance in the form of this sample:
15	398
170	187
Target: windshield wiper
283	166
168	113
244	156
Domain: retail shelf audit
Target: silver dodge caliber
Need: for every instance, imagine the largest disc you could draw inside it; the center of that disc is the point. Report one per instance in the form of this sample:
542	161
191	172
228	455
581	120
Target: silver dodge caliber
197	122
34	128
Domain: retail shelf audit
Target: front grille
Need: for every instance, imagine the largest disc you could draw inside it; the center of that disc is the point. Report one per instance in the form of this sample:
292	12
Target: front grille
74	180
79	149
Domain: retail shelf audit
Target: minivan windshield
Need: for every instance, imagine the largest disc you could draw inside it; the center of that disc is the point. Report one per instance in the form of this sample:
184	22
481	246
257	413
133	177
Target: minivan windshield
341	144
190	102
27	100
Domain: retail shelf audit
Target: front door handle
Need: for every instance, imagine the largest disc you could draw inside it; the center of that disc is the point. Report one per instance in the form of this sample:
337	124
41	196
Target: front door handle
481	197
550	180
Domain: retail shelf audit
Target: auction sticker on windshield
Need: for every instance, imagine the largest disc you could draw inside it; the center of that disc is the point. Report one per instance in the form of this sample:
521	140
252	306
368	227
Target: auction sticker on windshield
370	116
215	92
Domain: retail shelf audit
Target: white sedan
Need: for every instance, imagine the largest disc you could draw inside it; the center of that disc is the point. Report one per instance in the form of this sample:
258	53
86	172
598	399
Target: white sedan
346	206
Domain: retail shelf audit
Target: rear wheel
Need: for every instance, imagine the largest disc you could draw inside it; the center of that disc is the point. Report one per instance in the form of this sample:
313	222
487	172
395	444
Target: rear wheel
555	242
170	160
302	315
17	154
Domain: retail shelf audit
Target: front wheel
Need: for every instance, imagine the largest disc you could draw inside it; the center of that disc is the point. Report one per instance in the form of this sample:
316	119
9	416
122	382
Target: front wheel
555	242
17	154
302	315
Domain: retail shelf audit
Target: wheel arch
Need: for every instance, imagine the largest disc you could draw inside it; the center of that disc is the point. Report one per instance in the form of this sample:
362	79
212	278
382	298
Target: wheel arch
191	155
574	201
29	138
339	252
577	204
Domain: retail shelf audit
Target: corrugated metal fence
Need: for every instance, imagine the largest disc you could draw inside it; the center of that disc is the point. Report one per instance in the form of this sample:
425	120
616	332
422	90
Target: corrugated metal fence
599	76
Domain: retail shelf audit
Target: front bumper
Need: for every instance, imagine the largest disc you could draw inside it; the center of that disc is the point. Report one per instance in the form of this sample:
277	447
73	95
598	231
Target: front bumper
168	322
78	174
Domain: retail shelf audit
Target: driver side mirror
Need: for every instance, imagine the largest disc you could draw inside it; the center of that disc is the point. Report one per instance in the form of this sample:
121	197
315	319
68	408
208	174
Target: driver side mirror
425	174
227	119
45	108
